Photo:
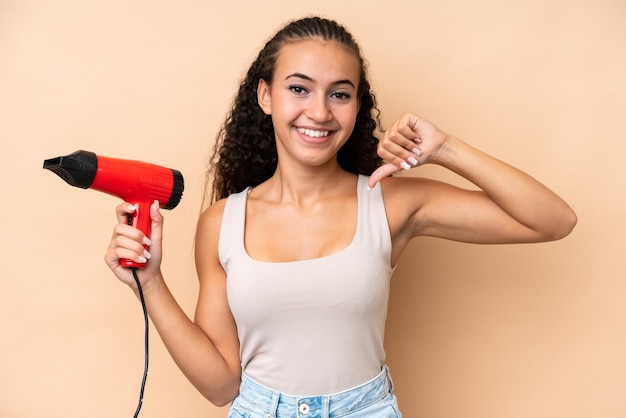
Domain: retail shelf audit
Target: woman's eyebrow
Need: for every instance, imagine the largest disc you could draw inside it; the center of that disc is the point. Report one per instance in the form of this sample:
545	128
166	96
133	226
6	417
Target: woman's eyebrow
307	78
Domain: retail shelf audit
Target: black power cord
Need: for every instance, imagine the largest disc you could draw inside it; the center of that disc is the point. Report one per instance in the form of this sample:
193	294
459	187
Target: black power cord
145	317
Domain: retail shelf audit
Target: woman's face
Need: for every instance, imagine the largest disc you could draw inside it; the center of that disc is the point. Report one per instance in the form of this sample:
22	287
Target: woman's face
312	100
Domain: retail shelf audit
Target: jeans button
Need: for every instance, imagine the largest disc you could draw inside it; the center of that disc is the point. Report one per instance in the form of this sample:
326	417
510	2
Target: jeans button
304	408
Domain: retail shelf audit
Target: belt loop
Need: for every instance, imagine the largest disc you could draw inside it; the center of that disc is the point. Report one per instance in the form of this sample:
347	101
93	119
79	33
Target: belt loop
325	407
273	411
388	373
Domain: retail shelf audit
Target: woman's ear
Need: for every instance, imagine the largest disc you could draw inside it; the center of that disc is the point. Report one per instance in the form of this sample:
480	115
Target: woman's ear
263	96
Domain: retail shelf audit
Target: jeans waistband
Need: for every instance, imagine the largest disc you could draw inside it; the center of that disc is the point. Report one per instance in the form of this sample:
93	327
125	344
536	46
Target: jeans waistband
324	406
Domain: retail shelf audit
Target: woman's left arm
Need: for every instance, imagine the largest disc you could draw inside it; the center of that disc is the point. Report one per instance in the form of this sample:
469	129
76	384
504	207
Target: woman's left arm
510	206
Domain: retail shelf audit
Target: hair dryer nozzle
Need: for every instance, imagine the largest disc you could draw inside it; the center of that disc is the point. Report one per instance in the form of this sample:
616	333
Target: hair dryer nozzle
77	169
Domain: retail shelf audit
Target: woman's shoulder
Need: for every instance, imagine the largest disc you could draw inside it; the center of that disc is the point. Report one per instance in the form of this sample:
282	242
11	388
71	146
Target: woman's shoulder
404	195
211	218
398	186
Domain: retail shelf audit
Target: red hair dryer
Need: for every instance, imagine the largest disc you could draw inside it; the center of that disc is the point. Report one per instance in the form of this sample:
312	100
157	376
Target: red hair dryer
136	182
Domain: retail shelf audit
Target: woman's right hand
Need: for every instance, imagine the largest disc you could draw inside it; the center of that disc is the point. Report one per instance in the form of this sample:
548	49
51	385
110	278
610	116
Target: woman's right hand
127	242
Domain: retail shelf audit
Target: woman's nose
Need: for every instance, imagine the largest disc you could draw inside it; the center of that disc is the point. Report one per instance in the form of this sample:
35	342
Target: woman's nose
319	110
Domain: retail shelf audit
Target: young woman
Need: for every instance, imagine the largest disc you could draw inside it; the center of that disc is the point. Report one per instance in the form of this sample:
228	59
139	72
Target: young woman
295	253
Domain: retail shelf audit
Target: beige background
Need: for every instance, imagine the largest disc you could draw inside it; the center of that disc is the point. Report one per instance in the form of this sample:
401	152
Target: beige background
473	331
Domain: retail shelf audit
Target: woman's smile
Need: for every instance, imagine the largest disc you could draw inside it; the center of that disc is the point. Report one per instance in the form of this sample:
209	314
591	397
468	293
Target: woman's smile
314	136
312	132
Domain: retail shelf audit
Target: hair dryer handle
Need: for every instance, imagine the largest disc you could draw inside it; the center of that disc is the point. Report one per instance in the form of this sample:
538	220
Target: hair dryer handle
141	220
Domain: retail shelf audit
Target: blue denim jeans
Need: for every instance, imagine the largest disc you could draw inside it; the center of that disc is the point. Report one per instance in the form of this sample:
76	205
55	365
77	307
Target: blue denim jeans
373	399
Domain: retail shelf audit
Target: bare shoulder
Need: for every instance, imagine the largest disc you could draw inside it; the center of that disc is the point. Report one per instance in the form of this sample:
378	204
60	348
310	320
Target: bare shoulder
405	195
207	236
393	186
402	200
211	218
408	200
413	192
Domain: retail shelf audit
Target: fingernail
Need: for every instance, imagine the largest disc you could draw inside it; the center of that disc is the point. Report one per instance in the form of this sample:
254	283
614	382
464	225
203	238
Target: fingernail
142	259
147	255
413	161
417	152
405	165
369	188
147	241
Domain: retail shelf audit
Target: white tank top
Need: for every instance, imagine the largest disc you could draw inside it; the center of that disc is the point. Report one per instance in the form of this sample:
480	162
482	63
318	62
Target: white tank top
316	326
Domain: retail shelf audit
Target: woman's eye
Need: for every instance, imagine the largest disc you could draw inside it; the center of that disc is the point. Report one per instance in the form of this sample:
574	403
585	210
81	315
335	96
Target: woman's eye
341	95
297	89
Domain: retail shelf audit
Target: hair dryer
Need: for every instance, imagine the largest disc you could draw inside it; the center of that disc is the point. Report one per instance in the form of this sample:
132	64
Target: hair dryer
136	182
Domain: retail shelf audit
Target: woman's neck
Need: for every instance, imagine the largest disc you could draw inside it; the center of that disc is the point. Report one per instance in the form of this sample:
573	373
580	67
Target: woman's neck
306	185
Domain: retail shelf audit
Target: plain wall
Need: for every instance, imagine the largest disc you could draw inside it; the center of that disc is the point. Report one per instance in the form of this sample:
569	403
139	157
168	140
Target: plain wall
473	331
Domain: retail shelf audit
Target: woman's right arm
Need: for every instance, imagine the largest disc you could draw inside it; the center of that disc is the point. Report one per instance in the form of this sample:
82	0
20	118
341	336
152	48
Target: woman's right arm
207	349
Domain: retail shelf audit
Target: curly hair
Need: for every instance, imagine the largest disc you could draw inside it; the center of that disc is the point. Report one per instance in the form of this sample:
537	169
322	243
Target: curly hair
245	148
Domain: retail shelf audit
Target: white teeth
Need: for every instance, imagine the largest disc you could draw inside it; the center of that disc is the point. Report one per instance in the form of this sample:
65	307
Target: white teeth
312	133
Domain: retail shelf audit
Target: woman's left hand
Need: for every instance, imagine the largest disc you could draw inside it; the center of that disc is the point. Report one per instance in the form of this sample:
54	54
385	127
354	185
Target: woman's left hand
410	141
